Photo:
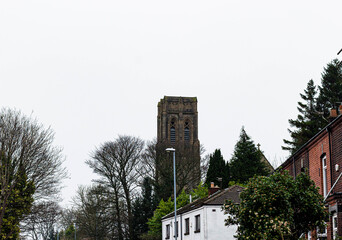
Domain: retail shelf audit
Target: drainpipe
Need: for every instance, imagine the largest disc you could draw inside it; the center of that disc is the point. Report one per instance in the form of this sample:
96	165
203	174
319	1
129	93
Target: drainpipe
181	226
294	167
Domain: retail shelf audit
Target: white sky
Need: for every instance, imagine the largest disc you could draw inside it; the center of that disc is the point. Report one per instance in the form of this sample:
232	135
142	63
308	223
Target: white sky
95	69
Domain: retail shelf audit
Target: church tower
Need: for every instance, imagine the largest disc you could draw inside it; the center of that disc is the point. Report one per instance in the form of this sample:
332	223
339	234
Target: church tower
178	128
178	121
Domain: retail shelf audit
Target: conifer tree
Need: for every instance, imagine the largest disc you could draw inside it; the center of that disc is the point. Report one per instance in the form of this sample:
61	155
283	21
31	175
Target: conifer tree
308	121
143	208
246	160
218	168
314	111
19	199
330	91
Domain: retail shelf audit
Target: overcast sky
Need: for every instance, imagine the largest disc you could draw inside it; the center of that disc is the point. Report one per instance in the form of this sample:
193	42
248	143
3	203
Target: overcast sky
95	69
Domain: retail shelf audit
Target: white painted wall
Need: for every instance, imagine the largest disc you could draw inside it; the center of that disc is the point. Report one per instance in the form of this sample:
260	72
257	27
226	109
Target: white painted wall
212	225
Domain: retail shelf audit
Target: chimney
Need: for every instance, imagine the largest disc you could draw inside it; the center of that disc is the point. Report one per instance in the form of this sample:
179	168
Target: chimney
213	189
335	112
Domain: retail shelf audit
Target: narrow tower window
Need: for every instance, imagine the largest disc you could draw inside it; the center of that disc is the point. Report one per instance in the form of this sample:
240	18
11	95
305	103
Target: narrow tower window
186	132
173	132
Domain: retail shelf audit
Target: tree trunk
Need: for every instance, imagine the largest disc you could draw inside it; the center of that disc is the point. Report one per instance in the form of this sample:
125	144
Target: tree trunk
118	213
129	210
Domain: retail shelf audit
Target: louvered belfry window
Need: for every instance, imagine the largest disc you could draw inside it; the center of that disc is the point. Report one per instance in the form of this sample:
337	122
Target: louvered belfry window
186	132
173	132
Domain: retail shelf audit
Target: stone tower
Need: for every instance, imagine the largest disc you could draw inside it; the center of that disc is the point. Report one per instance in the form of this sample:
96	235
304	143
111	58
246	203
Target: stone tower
178	128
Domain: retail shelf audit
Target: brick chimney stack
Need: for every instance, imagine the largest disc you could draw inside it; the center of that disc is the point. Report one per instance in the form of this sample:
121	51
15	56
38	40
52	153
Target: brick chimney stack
213	189
335	112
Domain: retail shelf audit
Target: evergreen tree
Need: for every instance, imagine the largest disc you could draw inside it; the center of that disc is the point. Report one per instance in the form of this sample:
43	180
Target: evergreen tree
330	91
308	121
16	198
218	168
143	208
70	232
246	160
314	112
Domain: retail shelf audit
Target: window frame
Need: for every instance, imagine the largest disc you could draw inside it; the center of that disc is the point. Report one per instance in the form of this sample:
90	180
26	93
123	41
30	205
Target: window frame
197	223
322	233
167	229
324	175
186	130
173	131
177	228
187	226
334	225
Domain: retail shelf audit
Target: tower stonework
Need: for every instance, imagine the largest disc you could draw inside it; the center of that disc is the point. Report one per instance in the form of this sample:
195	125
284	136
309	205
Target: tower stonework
178	121
178	128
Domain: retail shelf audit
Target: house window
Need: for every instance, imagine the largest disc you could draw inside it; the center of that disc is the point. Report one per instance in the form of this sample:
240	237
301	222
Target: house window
167	231
197	223
322	233
324	174
177	228
187	227
172	132
186	132
302	165
334	218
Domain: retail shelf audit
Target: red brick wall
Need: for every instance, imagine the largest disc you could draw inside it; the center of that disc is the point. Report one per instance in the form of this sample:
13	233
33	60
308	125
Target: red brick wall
339	224
316	152
312	160
336	152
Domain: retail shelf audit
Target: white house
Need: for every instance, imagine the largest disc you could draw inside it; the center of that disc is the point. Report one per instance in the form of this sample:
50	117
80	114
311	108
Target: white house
203	219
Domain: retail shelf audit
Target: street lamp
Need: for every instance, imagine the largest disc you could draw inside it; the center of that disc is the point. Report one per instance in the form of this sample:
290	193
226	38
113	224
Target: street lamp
174	186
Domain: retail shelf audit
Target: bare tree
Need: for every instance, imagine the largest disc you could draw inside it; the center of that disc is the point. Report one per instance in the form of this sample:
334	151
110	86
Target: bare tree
117	162
204	162
68	217
148	161
94	212
27	146
42	221
155	155
188	169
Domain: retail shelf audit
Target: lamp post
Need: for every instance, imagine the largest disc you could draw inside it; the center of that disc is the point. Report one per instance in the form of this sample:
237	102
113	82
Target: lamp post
174	187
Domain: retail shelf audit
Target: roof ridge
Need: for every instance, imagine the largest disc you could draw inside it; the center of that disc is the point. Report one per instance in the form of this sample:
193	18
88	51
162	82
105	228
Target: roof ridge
220	193
203	201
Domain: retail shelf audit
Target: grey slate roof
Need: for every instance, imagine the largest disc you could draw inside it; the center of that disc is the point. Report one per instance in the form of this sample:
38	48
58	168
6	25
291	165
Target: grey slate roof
218	199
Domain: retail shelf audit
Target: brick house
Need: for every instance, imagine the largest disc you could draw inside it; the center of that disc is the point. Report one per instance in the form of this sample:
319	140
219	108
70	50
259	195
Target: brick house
321	156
